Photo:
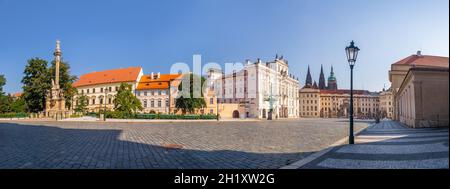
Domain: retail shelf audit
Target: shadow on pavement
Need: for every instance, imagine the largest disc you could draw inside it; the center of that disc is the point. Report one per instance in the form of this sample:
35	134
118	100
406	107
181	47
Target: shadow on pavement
38	146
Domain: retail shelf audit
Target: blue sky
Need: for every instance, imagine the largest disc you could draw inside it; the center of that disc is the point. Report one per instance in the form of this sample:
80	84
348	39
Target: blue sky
154	34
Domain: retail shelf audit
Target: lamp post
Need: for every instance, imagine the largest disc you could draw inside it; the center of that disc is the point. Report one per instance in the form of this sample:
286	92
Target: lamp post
104	111
352	53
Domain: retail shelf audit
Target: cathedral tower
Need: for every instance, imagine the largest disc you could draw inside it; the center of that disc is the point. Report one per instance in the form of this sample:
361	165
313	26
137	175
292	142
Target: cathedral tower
332	82
321	79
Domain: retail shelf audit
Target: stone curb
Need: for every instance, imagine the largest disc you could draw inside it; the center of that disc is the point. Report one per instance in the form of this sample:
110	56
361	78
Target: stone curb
300	163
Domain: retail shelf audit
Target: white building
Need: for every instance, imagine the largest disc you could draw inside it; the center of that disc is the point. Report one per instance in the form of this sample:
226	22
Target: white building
98	85
253	87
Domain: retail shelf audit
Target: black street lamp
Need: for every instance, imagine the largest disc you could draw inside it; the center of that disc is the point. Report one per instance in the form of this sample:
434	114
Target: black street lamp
104	112
352	53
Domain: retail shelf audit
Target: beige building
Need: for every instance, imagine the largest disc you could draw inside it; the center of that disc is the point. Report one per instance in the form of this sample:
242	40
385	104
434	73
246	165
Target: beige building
422	99
335	103
330	102
420	87
309	102
101	87
386	104
154	93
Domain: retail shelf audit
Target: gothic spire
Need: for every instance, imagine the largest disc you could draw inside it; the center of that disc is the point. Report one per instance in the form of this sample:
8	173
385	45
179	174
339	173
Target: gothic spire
308	78
321	79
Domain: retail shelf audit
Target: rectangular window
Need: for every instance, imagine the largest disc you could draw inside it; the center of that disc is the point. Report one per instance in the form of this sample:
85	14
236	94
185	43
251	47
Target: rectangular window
211	111
109	89
145	103
93	101
211	101
167	102
93	90
159	92
101	101
109	100
101	90
152	103
159	103
87	91
145	93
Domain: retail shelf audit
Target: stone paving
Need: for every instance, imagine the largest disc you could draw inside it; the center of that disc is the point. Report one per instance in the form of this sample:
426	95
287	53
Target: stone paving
390	145
80	145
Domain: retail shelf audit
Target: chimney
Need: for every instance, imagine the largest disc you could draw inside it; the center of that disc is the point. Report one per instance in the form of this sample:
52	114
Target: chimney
419	53
259	61
159	75
247	61
152	76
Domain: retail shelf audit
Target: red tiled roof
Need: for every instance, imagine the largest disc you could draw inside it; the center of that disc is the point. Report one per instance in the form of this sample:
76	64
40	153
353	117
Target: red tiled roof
343	91
162	82
109	76
424	61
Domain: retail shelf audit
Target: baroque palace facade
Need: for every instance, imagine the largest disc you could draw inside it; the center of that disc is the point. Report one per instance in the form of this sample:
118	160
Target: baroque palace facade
256	89
327	101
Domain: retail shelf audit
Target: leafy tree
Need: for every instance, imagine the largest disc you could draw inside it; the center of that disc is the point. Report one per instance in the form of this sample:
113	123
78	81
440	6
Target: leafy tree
18	105
125	102
82	104
2	83
36	84
5	103
65	81
5	100
189	103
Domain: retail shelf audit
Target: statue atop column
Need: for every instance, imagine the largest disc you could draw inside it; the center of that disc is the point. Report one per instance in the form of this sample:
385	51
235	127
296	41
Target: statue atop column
55	105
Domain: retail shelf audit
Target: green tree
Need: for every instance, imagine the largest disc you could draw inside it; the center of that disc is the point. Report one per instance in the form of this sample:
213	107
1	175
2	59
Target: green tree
2	83
18	105
82	104
189	103
65	81
125	102
36	84
5	101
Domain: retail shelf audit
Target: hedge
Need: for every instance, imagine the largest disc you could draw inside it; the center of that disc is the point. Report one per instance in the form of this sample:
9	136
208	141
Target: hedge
14	115
174	116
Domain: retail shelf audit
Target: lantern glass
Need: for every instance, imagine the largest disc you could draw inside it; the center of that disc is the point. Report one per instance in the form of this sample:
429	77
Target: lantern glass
352	53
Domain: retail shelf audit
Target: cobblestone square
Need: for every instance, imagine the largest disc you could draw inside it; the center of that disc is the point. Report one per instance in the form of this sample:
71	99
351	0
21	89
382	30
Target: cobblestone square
188	145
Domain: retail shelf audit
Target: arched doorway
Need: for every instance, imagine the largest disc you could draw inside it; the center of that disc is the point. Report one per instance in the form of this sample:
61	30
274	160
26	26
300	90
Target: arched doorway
235	114
264	113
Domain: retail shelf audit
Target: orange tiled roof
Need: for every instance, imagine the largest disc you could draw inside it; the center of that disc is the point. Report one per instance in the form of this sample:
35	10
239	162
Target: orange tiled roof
424	61
109	76
17	95
162	82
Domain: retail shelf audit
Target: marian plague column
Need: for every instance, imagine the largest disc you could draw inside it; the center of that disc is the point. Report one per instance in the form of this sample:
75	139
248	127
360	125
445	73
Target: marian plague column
55	105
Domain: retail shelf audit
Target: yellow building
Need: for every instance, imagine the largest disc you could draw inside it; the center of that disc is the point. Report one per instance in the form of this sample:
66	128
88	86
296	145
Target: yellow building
387	104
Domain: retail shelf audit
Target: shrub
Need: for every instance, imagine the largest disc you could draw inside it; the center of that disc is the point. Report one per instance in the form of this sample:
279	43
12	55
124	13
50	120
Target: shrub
14	115
92	114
